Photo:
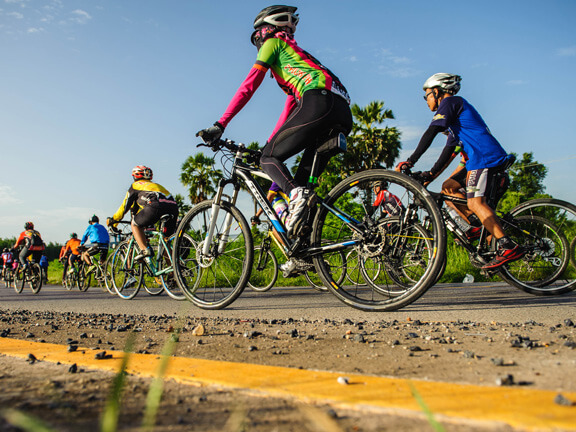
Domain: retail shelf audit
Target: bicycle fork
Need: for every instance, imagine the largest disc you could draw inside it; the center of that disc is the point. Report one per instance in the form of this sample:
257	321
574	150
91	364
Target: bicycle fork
225	234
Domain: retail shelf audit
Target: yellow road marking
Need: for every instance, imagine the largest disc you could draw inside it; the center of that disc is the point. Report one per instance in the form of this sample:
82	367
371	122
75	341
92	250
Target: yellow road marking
517	406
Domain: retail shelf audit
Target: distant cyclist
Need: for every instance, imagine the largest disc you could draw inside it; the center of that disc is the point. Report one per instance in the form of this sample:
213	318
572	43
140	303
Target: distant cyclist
465	127
317	105
70	253
96	240
7	260
148	202
385	199
31	243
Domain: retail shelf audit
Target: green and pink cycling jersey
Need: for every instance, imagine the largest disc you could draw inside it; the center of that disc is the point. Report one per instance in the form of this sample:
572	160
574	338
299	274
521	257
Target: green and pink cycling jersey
295	70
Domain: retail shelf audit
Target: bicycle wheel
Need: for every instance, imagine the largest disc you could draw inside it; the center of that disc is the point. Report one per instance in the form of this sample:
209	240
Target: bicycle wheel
107	268
347	220
126	274
546	256
84	277
406	269
19	279
166	270
563	215
337	261
264	270
35	278
215	279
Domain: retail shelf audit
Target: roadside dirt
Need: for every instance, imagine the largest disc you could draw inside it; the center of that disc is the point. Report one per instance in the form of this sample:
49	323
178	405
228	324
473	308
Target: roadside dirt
520	354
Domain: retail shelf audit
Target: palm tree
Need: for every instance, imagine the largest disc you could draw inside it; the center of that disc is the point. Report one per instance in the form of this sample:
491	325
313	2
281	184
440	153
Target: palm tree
200	177
372	146
369	145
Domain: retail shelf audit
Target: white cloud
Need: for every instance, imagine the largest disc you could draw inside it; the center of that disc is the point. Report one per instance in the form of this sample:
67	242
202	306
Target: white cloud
394	65
566	51
35	30
80	16
8	196
16	15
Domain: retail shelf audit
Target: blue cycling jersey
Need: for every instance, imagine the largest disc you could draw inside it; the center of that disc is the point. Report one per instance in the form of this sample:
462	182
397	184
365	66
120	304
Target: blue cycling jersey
96	233
467	127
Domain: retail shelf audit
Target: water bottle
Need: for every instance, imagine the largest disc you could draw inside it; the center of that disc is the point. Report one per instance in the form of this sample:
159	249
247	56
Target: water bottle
462	224
281	208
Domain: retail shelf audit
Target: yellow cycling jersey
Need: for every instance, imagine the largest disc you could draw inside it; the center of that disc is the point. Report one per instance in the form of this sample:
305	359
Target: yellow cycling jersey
143	193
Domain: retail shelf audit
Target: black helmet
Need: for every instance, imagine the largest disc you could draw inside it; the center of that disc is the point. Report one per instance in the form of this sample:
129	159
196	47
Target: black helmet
279	16
73	235
28	226
94	219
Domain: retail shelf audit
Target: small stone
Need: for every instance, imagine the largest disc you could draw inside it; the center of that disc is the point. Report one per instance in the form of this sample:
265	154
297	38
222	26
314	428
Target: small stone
415	349
252	348
73	368
570	344
199	330
508	380
569	323
102	356
72	348
31	359
560	399
343	380
497	361
358	338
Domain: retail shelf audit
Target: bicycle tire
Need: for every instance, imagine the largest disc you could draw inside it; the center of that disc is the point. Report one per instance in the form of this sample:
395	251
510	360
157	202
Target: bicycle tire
35	278
108	275
264	270
562	214
353	197
215	280
168	281
546	258
84	279
126	276
19	280
338	261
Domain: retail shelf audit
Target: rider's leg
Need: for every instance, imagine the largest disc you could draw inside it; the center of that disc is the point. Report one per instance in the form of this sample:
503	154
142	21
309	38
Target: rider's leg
139	236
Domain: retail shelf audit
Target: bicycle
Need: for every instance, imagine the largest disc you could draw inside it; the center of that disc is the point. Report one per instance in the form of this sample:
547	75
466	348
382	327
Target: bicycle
154	273
547	249
72	277
30	274
215	247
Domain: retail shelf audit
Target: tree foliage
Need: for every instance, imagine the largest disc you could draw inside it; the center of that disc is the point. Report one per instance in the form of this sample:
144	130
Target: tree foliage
200	176
526	182
371	144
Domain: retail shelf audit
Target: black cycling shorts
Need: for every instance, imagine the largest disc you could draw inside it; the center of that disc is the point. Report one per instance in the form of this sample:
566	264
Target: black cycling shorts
149	215
318	113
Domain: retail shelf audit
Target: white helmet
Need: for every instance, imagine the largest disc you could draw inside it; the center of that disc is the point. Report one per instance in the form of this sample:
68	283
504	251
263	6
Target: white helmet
448	83
280	16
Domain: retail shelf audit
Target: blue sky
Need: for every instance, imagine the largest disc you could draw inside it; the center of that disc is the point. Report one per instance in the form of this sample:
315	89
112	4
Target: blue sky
90	88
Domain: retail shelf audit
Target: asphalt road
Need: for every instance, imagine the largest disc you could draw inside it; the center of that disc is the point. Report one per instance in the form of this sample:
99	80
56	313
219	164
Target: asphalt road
478	302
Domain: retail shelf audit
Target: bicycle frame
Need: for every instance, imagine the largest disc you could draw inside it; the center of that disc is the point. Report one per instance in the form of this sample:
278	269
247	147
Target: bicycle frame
246	173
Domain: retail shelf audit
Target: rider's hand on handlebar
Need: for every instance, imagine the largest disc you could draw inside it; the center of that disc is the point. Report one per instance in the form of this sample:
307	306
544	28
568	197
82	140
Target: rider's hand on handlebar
255	220
402	166
212	133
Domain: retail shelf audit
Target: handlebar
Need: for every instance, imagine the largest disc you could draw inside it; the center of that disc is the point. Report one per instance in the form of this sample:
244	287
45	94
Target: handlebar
252	156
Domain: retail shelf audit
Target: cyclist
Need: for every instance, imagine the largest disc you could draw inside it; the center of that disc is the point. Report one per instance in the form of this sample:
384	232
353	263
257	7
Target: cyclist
148	202
96	241
44	267
390	203
486	157
31	243
7	259
70	253
316	107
